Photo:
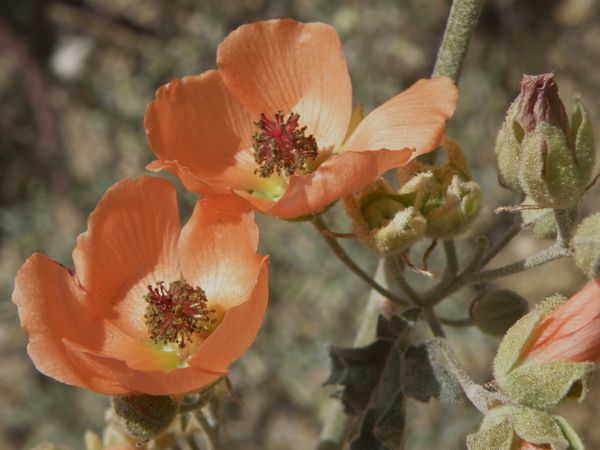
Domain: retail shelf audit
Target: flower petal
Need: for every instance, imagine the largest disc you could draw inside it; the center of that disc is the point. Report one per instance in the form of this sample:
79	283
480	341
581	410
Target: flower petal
337	177
570	333
217	249
131	242
237	331
153	382
198	123
53	313
414	118
284	65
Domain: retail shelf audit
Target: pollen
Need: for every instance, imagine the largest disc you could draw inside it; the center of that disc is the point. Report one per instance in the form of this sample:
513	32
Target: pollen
281	146
175	314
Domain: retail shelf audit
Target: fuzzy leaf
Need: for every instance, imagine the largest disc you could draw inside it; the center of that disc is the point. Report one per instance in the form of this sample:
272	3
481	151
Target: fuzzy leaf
424	378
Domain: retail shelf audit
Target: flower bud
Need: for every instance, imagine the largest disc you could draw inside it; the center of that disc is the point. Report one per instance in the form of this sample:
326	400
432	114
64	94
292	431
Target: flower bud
382	221
586	243
445	195
496	311
538	152
144	416
550	352
511	427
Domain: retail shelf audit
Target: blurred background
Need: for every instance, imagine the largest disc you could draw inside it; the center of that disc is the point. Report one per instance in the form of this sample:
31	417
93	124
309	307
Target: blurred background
75	77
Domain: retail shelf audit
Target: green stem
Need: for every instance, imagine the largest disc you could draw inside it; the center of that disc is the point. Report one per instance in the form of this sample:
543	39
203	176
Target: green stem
395	272
457	323
211	435
459	29
547	255
336	422
433	322
564	226
481	245
508	236
339	251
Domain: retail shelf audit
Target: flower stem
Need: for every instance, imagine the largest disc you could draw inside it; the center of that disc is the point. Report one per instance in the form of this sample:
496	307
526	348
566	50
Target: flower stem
339	251
459	29
336	422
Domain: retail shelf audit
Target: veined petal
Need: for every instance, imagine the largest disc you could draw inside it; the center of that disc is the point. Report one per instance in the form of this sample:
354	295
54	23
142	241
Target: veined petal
572	332
337	177
414	119
284	65
217	249
198	123
131	243
238	330
53	313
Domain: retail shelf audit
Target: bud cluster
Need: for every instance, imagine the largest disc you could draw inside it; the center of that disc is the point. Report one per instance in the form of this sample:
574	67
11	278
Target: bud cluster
437	202
539	152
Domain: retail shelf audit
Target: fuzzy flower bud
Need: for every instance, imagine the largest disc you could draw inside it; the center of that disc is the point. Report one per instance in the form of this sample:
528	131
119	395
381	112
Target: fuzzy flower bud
550	352
446	195
587	246
496	311
512	427
144	416
537	150
382	221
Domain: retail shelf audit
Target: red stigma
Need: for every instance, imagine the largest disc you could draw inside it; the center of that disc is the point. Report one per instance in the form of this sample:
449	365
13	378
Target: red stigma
281	146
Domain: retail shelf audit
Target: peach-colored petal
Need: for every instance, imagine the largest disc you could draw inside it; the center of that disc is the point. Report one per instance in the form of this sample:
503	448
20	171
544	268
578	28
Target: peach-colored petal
217	249
131	242
571	332
414	118
283	65
198	123
53	313
337	177
153	382
237	331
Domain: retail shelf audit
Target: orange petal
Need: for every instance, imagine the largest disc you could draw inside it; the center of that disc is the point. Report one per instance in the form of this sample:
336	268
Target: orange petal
413	119
217	250
53	313
337	177
153	382
198	123
237	331
570	333
283	65
131	242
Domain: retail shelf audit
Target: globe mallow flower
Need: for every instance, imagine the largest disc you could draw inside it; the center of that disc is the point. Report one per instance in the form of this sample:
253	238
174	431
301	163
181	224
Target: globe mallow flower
273	123
150	308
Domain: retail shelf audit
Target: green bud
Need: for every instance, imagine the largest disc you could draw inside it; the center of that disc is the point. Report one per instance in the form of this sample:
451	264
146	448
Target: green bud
144	416
496	311
382	221
445	195
542	222
508	149
548	171
586	243
510	426
538	152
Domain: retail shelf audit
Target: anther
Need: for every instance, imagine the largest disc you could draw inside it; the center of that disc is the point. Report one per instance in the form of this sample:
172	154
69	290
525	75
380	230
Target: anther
176	313
281	146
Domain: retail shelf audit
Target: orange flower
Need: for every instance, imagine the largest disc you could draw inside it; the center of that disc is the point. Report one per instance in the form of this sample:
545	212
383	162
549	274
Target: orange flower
524	445
571	332
271	123
149	308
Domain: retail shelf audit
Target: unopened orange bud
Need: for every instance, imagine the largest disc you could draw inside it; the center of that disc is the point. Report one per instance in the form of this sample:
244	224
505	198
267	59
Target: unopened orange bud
570	333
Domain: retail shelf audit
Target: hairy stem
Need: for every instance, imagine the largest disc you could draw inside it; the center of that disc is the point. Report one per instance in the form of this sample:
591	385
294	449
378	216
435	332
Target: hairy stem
459	29
336	422
339	251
